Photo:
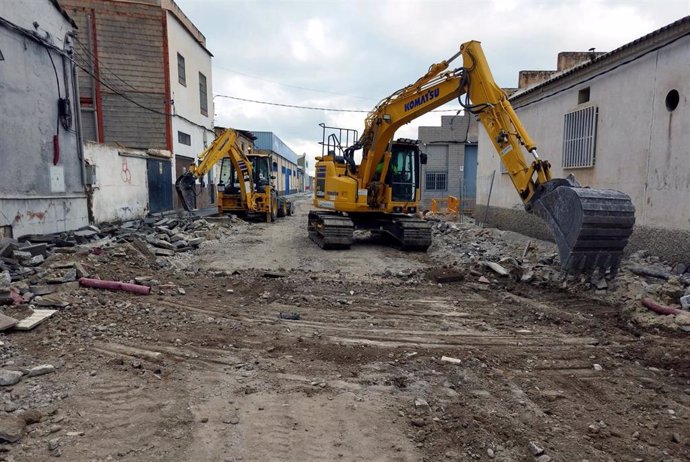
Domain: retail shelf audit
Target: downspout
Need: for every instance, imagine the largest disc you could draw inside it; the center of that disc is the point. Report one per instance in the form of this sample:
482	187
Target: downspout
77	124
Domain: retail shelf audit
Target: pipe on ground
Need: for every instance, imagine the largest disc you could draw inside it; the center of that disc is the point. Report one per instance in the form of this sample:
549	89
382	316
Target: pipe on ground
115	285
657	308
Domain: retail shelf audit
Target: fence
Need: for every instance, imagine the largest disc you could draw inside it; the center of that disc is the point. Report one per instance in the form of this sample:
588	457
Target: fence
451	204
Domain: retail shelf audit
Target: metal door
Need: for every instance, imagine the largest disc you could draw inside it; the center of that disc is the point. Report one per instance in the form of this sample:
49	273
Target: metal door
159	174
287	180
470	176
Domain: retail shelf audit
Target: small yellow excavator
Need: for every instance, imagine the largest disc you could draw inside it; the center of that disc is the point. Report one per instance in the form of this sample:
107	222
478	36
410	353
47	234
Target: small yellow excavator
245	186
590	226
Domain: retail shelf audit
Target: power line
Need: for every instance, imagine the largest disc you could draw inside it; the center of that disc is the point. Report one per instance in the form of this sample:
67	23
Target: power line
292	86
313	108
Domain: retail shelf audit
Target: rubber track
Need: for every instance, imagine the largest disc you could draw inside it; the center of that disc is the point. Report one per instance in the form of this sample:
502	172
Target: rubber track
330	230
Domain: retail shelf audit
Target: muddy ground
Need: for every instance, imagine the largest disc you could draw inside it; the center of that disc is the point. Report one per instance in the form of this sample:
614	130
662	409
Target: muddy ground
212	373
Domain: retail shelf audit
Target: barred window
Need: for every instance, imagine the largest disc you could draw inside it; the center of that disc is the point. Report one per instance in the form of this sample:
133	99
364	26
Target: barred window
181	75
184	138
203	95
579	137
436	181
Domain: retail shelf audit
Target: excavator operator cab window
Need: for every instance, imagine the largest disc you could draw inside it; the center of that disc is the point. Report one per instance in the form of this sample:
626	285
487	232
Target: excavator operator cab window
228	177
402	173
262	174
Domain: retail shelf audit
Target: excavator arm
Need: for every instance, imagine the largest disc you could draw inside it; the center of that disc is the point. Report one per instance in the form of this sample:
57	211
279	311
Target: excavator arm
590	226
223	146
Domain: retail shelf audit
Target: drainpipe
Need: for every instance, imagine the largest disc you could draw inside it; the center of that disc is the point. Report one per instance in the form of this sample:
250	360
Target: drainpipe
77	124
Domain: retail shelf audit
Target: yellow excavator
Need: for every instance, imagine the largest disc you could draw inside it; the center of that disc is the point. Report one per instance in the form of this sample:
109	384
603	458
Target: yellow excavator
590	226
245	186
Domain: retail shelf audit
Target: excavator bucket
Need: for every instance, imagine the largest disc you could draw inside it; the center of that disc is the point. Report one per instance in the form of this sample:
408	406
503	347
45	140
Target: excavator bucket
591	227
186	190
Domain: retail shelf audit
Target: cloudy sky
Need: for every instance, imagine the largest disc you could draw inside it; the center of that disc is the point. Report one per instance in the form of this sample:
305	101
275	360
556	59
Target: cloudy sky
350	54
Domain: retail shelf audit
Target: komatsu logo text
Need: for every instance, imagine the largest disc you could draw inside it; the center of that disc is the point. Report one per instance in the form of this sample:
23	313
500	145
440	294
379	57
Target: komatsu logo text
428	96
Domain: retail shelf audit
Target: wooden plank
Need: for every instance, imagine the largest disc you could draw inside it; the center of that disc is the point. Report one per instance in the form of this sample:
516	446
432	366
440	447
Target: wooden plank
37	317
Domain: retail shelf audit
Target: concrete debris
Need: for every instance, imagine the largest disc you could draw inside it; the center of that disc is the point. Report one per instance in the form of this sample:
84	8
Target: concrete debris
36	318
685	302
448	359
11	428
496	268
534	449
9	377
41	370
7	322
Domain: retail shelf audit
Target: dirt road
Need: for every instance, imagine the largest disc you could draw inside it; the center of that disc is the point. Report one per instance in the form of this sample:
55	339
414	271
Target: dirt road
212	373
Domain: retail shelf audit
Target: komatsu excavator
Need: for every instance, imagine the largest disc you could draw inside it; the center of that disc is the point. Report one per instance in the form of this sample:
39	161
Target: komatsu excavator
590	226
245	182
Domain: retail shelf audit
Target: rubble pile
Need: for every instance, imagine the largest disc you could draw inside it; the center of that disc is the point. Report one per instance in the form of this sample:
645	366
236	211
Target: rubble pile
33	266
494	256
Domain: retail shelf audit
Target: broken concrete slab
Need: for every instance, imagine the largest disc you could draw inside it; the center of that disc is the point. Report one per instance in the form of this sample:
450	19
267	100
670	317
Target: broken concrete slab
50	300
36	318
7	322
42	289
141	246
160	243
36	249
165	252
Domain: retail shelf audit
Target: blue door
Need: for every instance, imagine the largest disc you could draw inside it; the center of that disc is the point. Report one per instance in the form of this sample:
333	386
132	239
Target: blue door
159	173
469	179
287	181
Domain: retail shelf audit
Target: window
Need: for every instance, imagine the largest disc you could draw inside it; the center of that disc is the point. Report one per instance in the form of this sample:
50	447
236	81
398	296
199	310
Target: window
583	96
203	95
181	77
184	138
436	181
579	138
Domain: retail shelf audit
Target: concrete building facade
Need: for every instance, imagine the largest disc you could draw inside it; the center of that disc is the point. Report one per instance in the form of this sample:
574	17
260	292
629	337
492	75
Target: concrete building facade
621	121
145	83
283	161
451	168
42	176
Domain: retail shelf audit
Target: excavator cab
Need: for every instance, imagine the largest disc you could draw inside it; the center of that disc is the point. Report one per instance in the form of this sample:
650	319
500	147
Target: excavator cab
403	171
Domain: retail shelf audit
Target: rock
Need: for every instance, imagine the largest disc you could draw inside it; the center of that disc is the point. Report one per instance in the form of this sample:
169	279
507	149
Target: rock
601	284
8	377
181	291
484	280
527	277
420	402
496	268
81	270
543	458
675	437
11	428
649	271
54	444
41	370
291	316
42	290
490	453
5	279
12	406
448	359
195	242
231	420
685	302
36	260
21	255
679	269
50	300
165	252
534	449
162	244
598	368
31	416
418	422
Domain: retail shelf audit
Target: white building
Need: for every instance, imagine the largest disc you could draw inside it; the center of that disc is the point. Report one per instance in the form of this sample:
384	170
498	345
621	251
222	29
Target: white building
621	121
191	92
